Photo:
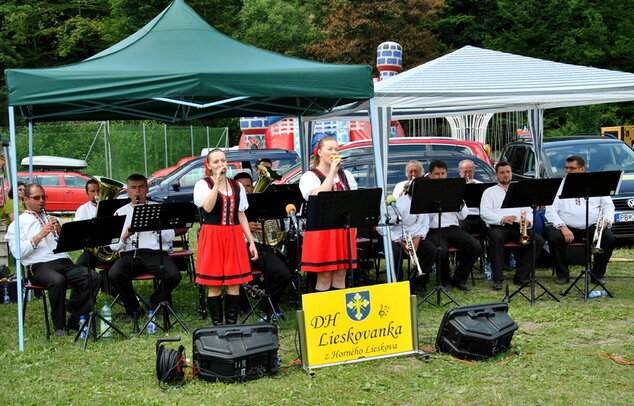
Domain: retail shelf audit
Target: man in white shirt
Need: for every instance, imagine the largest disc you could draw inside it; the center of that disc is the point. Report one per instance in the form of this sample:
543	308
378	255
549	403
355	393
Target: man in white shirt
504	227
473	224
88	210
451	234
139	253
38	239
567	218
413	170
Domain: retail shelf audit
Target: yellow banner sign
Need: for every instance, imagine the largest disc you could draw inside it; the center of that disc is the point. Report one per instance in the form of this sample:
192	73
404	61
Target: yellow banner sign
358	323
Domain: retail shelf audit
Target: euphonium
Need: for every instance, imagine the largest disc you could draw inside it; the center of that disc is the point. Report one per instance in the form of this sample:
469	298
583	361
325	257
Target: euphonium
271	229
598	232
525	239
108	189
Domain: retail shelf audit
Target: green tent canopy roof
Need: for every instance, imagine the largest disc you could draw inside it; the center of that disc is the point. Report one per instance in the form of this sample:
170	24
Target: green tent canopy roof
179	68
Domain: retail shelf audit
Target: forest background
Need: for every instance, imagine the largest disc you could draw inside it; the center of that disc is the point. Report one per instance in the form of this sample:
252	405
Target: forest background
46	33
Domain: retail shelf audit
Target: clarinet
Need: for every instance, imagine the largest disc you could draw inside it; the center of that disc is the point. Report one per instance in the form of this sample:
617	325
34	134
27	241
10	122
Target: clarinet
49	219
135	241
412	252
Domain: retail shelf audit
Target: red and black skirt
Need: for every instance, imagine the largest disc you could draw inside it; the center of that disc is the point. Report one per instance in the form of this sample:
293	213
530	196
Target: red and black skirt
223	258
327	250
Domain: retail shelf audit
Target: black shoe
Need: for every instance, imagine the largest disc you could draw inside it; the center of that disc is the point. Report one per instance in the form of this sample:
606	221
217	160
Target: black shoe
60	332
600	280
561	281
129	318
521	282
462	286
497	285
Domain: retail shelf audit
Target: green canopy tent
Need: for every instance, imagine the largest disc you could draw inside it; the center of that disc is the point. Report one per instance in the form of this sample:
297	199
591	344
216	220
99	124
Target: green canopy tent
179	68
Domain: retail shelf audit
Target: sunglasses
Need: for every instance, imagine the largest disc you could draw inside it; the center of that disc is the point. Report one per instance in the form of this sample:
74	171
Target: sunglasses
38	198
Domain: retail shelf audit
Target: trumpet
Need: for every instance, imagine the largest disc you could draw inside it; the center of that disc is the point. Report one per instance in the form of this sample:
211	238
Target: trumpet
525	239
598	232
49	219
409	243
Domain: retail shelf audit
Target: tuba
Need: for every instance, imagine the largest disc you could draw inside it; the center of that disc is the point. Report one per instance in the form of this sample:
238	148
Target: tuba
108	189
271	230
525	239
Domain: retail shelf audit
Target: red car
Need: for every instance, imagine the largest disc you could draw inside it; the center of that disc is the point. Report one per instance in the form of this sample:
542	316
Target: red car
66	190
413	145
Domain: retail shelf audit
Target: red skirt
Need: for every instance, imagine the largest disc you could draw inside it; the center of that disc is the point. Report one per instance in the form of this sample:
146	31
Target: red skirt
327	250
223	258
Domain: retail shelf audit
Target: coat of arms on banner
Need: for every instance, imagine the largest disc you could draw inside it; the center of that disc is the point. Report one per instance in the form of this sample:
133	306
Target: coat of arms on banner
358	305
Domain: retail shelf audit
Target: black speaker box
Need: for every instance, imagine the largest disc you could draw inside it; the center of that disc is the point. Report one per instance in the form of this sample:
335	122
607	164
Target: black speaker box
476	332
235	353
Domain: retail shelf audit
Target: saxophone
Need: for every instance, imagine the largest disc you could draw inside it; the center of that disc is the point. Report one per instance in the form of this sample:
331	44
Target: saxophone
525	239
409	243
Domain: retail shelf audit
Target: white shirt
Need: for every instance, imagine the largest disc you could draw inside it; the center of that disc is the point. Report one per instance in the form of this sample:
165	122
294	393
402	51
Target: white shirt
309	182
146	239
447	219
416	224
86	211
572	212
30	225
491	211
202	189
399	188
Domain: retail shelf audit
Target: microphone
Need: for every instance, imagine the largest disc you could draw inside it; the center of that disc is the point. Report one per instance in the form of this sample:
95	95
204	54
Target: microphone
391	201
224	170
291	210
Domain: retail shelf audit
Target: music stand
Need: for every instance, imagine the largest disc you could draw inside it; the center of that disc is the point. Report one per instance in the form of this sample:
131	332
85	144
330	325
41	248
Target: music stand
344	209
82	235
473	193
586	185
437	196
157	217
539	192
108	207
270	206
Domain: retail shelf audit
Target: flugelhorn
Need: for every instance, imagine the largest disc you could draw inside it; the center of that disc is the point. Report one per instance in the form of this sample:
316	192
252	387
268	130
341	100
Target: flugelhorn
525	239
409	243
598	232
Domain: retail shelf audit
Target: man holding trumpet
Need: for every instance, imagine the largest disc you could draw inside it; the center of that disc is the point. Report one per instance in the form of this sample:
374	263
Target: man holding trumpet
567	218
38	239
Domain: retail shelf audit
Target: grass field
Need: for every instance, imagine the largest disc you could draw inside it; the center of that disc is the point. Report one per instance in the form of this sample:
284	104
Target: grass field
556	359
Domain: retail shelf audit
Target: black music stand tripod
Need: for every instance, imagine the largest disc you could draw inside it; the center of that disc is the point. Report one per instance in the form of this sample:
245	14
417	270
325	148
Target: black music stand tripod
437	196
269	206
345	209
82	235
539	192
586	185
157	217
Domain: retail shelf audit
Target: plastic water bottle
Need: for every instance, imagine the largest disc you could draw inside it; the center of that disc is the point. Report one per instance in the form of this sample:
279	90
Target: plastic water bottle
512	261
433	269
106	313
151	327
597	293
488	275
170	247
82	327
5	295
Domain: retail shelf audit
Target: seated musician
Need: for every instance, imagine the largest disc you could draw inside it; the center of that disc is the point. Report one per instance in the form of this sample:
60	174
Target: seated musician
46	268
473	224
413	170
567	218
273	267
139	253
504	226
414	226
88	211
451	234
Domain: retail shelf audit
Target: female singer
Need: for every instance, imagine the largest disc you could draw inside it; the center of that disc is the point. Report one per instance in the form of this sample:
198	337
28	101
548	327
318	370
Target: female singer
326	251
223	258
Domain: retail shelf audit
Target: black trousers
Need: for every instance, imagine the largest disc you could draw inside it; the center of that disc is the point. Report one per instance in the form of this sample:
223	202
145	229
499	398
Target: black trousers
128	266
498	236
469	250
559	252
276	274
55	275
473	224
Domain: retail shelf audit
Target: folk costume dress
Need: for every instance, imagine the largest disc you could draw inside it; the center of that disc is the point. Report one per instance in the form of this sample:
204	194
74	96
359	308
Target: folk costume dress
327	250
223	258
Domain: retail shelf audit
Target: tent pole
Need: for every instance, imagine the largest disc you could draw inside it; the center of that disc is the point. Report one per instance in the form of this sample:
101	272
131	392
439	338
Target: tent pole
30	151
380	121
536	126
16	214
144	151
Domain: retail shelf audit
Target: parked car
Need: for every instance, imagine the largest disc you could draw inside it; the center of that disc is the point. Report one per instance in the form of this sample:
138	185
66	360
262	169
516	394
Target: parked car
178	186
362	167
414	146
600	154
66	190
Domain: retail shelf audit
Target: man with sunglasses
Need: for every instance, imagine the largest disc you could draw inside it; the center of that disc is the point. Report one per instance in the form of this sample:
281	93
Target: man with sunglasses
45	268
567	218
